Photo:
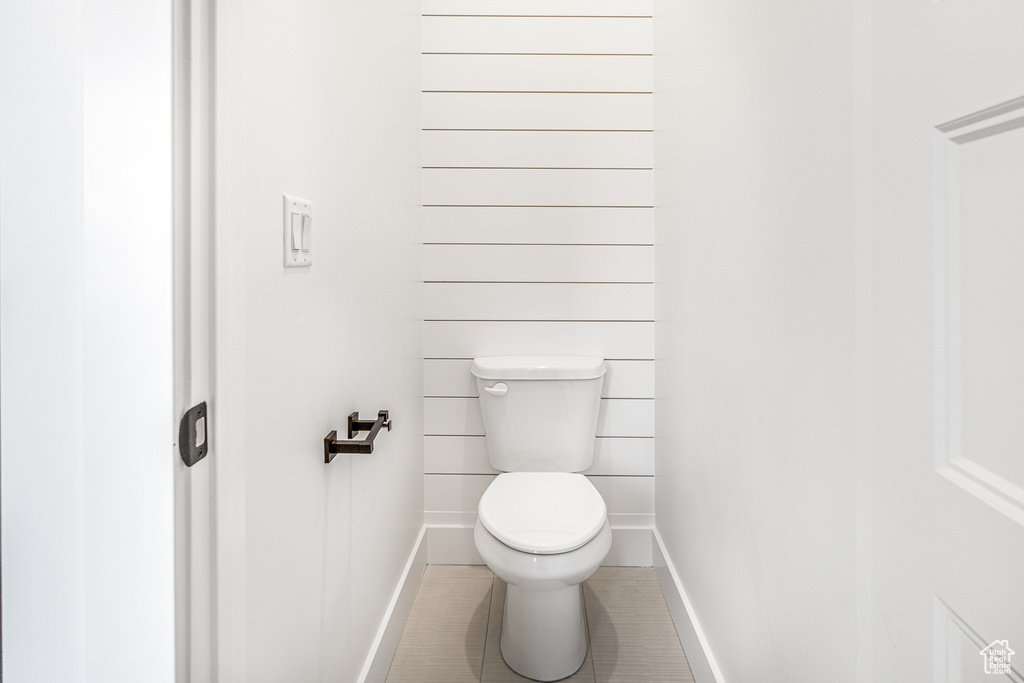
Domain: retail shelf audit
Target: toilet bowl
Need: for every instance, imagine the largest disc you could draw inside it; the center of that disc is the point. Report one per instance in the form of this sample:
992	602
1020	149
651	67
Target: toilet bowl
543	629
542	527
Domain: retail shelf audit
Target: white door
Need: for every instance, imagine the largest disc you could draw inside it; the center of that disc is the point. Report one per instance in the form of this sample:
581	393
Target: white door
948	339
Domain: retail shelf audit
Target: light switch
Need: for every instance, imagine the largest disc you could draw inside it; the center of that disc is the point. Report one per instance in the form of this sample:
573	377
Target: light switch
307	231
298	232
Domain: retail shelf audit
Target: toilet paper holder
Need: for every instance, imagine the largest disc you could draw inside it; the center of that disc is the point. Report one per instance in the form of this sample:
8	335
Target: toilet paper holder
332	446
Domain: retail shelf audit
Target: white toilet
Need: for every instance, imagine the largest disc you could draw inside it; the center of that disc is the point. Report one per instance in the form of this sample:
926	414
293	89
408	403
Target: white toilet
542	527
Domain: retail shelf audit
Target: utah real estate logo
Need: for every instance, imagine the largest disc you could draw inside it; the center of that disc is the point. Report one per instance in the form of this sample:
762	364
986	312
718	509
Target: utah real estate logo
997	657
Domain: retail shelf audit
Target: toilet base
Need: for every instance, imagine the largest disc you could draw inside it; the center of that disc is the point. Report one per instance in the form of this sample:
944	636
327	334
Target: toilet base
544	633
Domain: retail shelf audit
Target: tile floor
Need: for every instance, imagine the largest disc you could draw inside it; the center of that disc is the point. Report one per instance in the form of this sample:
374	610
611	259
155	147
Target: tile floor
453	630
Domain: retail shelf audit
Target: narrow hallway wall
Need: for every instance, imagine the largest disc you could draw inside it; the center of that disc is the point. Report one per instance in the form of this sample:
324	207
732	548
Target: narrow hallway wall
538	236
756	466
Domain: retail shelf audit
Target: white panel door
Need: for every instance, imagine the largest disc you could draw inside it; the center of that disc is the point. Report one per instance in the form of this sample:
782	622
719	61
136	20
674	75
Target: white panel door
948	331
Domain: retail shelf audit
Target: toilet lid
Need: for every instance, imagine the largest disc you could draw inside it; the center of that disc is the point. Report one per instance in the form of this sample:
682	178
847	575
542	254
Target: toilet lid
542	512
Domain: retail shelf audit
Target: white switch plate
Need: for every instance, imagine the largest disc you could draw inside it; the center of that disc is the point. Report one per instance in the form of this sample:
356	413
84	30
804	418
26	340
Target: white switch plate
298	232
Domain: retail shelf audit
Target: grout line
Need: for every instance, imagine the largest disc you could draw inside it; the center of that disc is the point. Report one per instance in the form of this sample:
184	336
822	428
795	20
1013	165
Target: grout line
487	628
586	623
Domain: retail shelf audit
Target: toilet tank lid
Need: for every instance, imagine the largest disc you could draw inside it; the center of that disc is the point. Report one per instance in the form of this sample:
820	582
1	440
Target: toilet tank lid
538	367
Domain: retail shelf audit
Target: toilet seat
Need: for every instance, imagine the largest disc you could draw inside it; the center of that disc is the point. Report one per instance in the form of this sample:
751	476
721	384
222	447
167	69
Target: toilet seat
544	513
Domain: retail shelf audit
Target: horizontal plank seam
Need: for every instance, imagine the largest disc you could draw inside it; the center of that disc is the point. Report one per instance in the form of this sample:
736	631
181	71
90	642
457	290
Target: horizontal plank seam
539	206
539	130
638	360
550	16
482	436
546	321
538	282
538	244
537	168
548	92
491	474
617	360
530	320
546	54
603	398
599	437
527	282
474	397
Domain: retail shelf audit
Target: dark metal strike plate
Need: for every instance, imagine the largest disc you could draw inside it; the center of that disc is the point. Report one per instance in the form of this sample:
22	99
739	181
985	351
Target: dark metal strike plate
194	435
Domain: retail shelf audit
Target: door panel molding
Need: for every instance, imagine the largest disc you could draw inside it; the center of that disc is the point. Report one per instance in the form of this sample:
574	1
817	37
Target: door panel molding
961	462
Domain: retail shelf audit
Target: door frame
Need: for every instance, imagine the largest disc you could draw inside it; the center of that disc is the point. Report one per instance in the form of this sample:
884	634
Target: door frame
208	350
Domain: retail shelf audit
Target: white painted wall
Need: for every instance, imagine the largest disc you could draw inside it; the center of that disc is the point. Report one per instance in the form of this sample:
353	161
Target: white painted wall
538	236
85	224
321	102
756	468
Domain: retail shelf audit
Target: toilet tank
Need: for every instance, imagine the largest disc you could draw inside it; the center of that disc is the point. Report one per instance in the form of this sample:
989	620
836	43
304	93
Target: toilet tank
540	412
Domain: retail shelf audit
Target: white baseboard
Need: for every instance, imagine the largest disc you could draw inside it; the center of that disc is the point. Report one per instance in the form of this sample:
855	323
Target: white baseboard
382	652
453	544
702	662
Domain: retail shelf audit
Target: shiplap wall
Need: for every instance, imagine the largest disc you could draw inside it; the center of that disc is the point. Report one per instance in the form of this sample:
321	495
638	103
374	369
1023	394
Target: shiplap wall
538	235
